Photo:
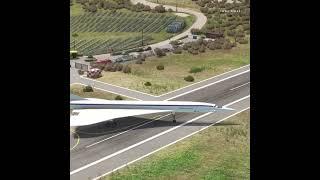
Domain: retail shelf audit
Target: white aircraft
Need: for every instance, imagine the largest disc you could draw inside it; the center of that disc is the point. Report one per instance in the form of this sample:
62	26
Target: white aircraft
88	111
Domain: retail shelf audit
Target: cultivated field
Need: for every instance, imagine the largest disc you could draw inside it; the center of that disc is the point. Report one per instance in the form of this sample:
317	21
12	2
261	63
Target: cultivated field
219	152
104	30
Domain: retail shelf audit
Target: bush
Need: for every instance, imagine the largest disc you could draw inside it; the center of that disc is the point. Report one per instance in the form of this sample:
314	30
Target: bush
159	52
146	8
195	31
189	78
87	89
231	33
126	69
227	45
118	97
202	49
204	9
160	9
170	10
196	69
147	83
160	67
139	61
242	41
80	72
177	50
118	66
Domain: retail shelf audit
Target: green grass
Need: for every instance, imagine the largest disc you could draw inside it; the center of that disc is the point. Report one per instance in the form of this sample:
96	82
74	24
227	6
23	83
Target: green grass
219	152
181	3
176	67
76	89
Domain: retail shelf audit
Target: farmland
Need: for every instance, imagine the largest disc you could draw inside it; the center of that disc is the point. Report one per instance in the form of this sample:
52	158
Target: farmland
104	30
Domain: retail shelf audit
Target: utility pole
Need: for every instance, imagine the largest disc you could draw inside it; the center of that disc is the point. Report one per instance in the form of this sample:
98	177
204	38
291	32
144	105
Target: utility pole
142	37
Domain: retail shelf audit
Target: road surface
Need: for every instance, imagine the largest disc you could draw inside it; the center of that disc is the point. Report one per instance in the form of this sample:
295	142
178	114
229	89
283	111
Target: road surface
98	150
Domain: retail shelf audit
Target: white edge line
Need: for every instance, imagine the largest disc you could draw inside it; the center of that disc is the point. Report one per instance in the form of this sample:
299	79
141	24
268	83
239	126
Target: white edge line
239	86
229	77
127	131
108	91
236	101
117	86
204	80
167	92
135	145
170	144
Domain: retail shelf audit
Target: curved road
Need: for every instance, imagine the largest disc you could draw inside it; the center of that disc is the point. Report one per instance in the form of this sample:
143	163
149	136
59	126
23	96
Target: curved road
201	20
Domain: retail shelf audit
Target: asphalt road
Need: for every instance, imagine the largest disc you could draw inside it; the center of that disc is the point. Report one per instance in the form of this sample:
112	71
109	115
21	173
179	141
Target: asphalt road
99	149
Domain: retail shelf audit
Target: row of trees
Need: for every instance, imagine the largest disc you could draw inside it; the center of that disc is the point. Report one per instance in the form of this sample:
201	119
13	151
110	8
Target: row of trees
95	5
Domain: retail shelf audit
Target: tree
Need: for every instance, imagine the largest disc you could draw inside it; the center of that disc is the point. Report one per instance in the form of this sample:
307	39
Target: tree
159	52
160	9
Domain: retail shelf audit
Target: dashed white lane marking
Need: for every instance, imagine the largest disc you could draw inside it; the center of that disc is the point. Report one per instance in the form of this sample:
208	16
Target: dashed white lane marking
127	131
239	86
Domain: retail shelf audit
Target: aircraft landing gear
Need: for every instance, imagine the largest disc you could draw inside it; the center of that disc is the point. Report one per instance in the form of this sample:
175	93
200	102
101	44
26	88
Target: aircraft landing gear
113	123
174	117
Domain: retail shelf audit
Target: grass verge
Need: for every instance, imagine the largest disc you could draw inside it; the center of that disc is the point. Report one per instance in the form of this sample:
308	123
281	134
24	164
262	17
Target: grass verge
176	67
219	152
76	89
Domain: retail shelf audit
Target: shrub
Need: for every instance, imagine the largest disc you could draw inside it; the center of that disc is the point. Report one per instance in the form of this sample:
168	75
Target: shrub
147	83
227	45
146	8
118	97
231	33
177	50
160	67
160	9
126	69
159	52
87	89
80	72
189	78
139	61
242	41
196	69
108	67
204	9
195	31
202	49
118	66
170	10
